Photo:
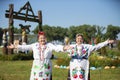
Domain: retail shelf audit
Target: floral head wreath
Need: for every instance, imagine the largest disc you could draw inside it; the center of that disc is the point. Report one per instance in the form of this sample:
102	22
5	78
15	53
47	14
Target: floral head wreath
41	33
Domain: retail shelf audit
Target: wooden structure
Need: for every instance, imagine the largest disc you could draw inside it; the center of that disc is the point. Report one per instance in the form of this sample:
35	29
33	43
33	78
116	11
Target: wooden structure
11	14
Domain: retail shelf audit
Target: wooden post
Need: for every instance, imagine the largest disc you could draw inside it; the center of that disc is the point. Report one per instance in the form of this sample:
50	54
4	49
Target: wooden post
11	28
40	20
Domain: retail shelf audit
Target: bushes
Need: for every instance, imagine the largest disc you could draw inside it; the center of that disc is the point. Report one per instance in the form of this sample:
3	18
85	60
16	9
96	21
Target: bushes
20	56
62	58
102	61
63	61
1	77
112	52
102	50
110	58
95	60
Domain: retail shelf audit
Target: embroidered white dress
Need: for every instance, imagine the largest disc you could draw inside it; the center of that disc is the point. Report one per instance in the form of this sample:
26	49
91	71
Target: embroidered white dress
79	64
42	65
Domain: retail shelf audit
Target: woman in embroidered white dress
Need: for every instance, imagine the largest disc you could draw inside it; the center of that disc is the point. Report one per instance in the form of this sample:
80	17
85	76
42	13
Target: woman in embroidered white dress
42	52
79	52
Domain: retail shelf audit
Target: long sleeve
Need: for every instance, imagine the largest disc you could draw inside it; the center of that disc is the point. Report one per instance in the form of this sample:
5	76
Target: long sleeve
98	46
57	48
24	47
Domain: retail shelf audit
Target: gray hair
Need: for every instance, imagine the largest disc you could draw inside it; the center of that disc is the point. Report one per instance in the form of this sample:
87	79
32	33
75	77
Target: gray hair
79	34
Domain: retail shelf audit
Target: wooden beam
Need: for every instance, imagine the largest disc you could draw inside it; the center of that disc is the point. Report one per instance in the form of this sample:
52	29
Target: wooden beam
16	13
22	18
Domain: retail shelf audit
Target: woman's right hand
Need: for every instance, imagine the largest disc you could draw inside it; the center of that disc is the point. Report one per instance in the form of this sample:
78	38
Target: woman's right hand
67	47
11	46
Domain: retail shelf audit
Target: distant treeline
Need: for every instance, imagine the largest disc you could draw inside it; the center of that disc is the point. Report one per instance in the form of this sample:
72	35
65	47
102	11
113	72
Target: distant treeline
89	32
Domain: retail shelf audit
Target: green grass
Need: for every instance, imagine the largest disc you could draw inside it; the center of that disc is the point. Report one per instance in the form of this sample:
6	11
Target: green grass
110	74
15	70
20	70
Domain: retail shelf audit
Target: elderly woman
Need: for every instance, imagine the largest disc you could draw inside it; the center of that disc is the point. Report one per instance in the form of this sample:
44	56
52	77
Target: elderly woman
79	52
42	52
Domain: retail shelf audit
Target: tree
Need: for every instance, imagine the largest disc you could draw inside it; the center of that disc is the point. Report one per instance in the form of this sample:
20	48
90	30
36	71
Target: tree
36	30
99	31
17	31
53	32
72	32
112	32
87	31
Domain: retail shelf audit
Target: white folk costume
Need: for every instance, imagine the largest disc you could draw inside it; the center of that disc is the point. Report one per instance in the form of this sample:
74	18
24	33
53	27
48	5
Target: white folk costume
42	65
79	64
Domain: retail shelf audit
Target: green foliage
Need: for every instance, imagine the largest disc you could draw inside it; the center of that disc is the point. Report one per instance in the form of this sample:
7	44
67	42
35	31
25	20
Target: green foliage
55	33
112	32
17	31
19	56
1	77
97	40
88	31
112	52
62	58
102	61
103	50
100	30
52	32
63	61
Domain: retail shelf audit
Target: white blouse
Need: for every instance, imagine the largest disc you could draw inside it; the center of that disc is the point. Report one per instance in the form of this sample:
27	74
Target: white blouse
36	51
86	49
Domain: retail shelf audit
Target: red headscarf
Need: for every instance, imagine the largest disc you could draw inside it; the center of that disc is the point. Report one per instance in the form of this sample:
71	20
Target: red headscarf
41	33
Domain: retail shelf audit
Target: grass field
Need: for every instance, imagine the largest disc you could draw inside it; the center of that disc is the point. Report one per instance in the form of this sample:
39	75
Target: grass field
20	70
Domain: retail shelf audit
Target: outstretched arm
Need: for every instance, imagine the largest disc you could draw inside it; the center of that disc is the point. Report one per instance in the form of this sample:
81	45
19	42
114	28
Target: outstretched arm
102	44
67	47
19	47
12	46
57	48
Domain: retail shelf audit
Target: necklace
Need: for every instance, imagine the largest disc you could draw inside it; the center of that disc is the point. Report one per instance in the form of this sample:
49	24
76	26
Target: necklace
42	50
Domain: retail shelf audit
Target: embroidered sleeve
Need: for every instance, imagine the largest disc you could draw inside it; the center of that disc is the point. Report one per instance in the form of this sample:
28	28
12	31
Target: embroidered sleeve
98	46
56	47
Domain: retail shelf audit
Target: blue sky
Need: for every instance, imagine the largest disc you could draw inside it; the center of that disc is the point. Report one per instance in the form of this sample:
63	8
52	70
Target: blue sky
66	13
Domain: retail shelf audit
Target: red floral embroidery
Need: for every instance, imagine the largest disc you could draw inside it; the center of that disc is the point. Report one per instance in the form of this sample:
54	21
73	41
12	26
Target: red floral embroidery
36	79
75	76
81	76
84	51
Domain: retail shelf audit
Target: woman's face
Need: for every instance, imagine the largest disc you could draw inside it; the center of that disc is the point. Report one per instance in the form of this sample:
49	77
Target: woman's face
42	39
79	40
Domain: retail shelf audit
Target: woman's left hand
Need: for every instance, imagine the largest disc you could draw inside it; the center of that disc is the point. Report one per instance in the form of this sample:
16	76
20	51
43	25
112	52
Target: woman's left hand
111	41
